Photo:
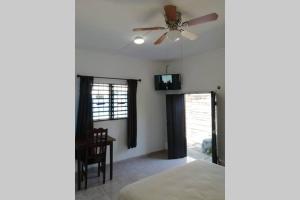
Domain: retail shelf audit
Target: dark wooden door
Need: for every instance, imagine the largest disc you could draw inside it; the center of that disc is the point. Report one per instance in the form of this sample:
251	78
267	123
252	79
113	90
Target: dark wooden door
177	147
214	127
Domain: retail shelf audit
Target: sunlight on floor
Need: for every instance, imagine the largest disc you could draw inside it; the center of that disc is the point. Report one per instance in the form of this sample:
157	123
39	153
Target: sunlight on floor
190	159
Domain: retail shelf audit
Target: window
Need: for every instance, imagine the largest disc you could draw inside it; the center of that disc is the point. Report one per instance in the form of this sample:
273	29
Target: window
109	101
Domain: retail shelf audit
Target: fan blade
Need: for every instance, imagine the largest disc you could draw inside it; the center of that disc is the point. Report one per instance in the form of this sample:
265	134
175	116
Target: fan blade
149	29
200	20
161	38
189	35
170	11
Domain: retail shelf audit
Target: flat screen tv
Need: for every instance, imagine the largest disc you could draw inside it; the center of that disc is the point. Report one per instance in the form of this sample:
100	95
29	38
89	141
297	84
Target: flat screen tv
167	82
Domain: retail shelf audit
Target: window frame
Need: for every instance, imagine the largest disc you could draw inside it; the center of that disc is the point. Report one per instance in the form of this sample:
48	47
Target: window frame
110	111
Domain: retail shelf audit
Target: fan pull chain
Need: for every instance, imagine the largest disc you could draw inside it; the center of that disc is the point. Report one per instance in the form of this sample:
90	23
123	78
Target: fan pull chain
181	52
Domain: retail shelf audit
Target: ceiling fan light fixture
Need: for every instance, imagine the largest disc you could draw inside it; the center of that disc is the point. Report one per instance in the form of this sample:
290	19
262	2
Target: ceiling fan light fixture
174	35
139	40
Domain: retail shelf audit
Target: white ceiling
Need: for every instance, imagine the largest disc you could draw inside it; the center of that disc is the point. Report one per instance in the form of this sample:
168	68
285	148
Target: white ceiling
107	25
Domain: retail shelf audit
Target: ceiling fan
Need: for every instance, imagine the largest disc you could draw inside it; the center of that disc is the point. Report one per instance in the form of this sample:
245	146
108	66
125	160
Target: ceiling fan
176	27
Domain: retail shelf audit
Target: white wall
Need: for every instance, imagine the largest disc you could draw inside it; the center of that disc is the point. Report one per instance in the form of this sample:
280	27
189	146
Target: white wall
150	120
200	73
203	73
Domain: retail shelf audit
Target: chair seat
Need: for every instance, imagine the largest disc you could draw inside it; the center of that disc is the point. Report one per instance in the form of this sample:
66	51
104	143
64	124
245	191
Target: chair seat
91	160
96	159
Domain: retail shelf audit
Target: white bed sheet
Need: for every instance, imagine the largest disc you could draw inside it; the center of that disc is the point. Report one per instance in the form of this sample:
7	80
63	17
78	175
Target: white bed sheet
196	180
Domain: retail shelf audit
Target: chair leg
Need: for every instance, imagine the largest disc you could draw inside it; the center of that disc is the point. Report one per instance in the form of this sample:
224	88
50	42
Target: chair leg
86	175
79	174
103	170
99	168
82	172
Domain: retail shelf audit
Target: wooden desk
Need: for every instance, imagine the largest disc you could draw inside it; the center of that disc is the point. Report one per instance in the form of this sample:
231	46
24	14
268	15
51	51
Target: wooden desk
80	143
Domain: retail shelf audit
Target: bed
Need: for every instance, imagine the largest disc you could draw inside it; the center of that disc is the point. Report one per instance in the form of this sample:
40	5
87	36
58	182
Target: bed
196	180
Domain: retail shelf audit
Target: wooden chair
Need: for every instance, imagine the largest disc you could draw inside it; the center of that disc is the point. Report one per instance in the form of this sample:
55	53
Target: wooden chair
95	152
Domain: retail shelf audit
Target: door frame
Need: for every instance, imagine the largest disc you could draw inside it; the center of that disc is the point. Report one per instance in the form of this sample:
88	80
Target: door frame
214	113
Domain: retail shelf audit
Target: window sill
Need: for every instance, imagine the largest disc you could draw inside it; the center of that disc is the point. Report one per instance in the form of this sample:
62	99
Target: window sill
101	120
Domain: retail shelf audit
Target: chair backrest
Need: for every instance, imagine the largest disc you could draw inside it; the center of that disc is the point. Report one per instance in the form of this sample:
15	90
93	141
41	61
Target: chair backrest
96	143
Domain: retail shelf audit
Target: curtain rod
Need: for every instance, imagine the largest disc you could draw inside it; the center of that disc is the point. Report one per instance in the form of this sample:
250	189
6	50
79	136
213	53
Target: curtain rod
112	78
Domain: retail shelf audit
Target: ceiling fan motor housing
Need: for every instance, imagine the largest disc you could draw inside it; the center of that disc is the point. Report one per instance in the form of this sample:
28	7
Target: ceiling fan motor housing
173	25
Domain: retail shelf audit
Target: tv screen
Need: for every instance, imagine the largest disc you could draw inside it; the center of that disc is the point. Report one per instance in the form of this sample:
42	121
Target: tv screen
167	82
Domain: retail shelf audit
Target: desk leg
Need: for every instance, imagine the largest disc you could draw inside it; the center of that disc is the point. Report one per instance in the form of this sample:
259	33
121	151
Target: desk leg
111	160
78	174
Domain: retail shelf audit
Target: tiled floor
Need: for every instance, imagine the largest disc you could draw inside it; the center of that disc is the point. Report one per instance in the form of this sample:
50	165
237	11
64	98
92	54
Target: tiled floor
126	172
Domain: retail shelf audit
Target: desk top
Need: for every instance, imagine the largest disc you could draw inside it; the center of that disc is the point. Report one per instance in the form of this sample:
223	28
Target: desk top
109	138
80	142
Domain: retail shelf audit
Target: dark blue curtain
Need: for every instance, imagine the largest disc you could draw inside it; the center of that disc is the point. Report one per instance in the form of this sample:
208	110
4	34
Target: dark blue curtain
177	147
85	113
131	120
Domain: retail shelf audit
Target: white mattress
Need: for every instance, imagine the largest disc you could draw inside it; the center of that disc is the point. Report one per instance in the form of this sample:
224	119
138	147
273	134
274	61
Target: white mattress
196	180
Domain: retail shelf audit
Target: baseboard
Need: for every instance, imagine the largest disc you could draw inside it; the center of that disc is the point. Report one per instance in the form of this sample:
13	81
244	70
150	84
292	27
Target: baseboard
128	159
140	156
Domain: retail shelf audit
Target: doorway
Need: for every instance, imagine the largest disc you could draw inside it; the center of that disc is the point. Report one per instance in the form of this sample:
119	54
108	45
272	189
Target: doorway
199	125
